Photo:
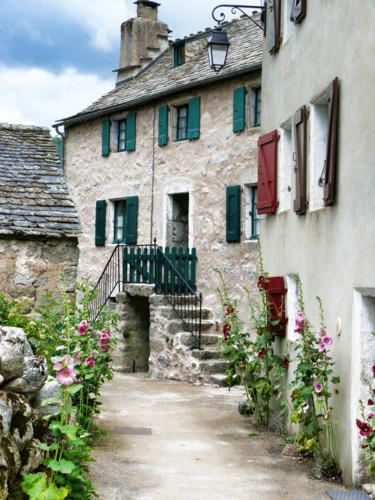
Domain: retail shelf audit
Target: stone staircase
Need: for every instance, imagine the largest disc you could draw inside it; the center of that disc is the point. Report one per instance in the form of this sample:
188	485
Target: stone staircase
204	366
170	352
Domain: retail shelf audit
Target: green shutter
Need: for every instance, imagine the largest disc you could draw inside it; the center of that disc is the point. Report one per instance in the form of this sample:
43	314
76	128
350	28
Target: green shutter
239	109
130	132
163	125
100	223
194	118
233	213
132	218
105	137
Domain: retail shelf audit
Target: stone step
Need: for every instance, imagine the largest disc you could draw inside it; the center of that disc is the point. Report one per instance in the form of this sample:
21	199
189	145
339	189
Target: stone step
214	367
219	380
160	300
187	339
170	313
205	354
176	325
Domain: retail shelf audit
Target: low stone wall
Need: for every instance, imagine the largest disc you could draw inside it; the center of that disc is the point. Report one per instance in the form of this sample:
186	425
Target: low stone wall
30	268
23	386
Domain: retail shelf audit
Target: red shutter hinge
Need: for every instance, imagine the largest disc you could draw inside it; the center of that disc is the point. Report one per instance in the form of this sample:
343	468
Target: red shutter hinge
278	137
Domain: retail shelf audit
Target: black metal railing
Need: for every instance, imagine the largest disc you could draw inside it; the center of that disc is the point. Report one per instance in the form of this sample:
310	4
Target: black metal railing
172	273
180	295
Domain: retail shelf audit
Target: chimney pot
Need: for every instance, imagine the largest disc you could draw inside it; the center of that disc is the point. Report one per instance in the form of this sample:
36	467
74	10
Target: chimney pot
147	9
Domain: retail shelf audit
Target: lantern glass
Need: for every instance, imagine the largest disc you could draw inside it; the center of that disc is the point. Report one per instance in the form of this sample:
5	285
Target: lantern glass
217	50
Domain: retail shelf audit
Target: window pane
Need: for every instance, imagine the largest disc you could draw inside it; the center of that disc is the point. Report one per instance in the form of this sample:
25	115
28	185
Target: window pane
182	113
122	135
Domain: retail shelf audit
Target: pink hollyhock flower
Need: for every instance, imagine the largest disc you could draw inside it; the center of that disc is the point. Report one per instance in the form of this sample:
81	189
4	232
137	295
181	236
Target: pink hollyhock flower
302	322
66	376
285	361
327	340
76	357
262	283
321	347
321	334
326	416
364	428
371	415
370	402
82	327
89	362
280	395
317	387
104	349
327	358
64	363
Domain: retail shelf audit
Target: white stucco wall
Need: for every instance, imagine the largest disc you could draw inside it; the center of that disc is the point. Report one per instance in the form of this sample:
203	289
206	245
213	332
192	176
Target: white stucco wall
332	249
203	168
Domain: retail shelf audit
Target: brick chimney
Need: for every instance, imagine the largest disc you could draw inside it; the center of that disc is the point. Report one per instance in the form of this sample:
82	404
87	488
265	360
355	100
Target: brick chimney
143	38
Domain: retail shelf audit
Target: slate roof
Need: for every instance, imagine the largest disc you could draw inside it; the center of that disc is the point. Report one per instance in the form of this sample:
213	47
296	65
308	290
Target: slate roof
160	79
34	198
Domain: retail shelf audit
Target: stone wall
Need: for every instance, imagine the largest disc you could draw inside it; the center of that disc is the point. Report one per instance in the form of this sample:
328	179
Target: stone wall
30	268
203	168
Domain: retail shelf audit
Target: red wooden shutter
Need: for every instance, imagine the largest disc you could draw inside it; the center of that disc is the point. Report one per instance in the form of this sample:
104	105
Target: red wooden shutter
298	11
276	296
267	163
274	26
330	163
300	136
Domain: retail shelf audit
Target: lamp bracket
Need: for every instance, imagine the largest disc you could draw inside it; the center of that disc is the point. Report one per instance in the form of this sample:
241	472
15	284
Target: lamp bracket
235	8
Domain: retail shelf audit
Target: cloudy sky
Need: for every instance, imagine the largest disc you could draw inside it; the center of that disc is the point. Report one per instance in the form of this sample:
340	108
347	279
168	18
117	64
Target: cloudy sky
56	57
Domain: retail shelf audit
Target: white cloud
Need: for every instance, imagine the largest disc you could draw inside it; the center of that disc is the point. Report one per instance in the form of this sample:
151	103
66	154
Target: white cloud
101	19
38	97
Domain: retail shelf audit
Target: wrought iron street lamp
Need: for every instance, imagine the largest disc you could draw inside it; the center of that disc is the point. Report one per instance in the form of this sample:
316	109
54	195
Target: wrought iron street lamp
218	44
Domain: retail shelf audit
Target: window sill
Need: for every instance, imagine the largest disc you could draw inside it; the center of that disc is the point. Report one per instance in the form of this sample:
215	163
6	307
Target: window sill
180	140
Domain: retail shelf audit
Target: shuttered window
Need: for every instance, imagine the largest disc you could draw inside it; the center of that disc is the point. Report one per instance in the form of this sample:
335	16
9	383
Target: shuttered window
132	220
267	163
106	137
194	118
233	213
298	11
163	125
126	221
273	34
276	296
239	109
100	215
300	137
130	132
182	123
121	135
330	162
179	54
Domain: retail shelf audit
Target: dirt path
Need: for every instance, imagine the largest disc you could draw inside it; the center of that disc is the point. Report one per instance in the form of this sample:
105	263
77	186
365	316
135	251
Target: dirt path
172	441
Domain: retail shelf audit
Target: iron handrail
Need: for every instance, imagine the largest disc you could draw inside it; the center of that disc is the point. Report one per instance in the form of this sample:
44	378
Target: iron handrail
180	296
181	307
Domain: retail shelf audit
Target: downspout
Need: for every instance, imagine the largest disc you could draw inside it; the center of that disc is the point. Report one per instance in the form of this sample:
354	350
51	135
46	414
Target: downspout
153	177
56	127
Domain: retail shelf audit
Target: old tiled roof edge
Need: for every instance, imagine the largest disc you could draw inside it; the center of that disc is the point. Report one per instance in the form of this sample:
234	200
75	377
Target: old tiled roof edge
121	98
34	198
79	118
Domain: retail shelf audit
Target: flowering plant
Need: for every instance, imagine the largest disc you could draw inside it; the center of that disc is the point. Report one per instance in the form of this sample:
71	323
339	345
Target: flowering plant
81	368
309	404
366	427
252	359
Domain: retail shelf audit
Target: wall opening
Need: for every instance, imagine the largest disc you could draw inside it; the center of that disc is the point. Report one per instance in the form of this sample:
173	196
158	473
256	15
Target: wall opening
363	355
284	180
318	150
136	333
178	220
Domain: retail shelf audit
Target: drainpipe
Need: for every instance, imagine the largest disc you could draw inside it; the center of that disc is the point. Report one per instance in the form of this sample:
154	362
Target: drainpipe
56	127
153	176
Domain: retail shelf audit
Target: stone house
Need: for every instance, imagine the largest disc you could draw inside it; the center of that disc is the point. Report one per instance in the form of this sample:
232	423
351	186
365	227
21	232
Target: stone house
38	222
316	157
170	154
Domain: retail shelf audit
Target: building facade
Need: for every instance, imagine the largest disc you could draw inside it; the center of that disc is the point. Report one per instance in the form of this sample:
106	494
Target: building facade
170	154
316	184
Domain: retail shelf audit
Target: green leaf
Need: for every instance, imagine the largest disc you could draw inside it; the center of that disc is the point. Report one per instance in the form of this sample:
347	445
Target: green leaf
55	493
46	447
311	445
72	389
34	485
64	466
335	380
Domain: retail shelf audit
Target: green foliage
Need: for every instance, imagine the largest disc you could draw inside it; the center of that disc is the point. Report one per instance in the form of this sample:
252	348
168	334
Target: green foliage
252	360
310	389
80	354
